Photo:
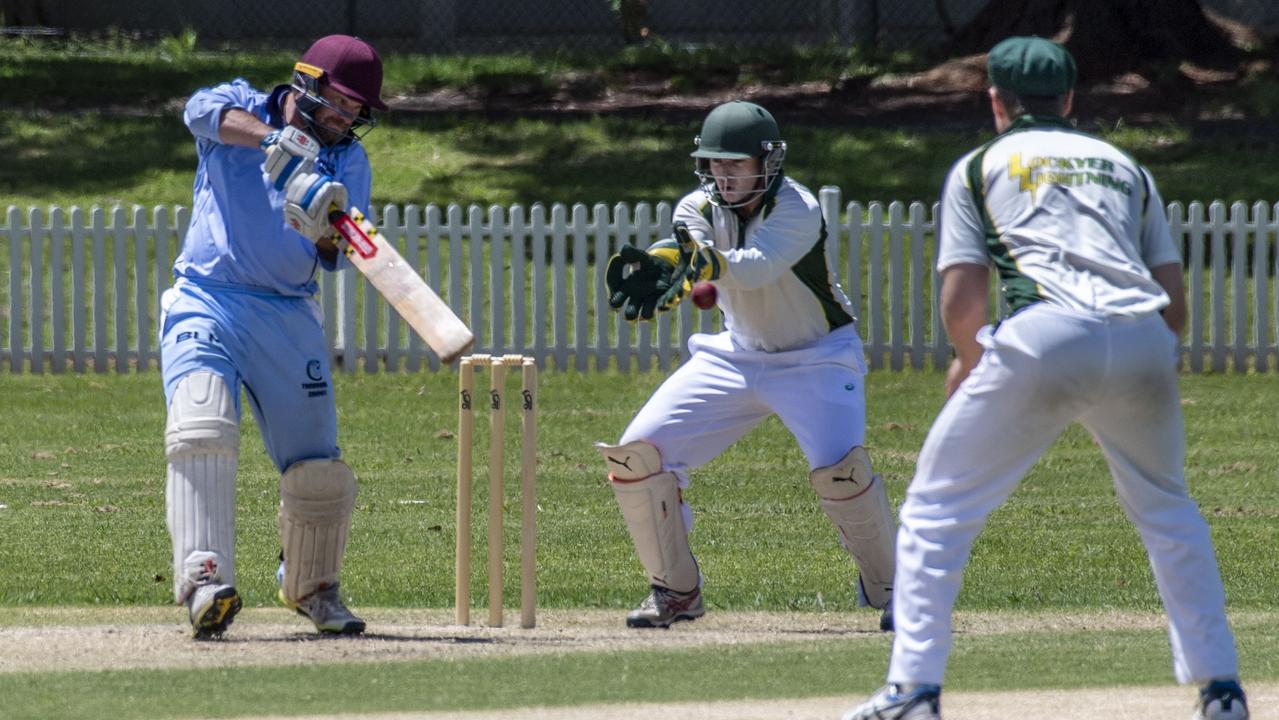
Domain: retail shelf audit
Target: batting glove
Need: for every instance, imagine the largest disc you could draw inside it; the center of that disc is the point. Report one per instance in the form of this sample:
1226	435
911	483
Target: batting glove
697	261
289	152
310	199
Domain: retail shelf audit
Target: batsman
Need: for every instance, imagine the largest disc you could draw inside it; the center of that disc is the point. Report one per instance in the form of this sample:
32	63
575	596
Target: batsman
790	348
243	313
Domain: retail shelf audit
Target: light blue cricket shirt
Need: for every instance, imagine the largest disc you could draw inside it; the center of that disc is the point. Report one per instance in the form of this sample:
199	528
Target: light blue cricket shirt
238	239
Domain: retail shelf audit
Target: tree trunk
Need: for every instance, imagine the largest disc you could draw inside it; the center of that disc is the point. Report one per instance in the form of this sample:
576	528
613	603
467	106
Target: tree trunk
23	13
634	20
1106	37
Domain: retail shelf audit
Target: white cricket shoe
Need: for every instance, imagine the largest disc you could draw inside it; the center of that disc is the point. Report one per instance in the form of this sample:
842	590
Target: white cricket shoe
664	607
212	607
1221	700
325	609
894	702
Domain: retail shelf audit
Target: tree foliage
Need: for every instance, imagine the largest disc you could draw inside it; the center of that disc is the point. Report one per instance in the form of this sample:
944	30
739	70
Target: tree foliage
1106	37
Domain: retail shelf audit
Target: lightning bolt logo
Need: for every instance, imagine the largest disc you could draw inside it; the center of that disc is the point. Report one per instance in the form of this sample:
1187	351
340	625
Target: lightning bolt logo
1016	171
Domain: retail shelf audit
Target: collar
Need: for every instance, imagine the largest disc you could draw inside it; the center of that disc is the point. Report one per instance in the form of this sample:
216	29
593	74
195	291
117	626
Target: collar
275	106
1026	121
767	200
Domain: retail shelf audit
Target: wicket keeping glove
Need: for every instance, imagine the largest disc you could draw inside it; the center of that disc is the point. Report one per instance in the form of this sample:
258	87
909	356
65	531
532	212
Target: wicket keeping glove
641	283
289	152
310	199
697	261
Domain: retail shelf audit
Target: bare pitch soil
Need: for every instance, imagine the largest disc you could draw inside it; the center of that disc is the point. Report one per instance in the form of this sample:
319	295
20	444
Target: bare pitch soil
89	639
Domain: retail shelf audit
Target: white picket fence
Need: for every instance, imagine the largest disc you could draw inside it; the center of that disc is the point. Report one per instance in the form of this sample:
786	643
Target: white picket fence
81	288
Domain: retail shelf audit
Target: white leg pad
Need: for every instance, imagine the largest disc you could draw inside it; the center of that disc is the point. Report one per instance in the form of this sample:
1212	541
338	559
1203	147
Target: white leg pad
652	507
632	461
317	498
202	445
855	500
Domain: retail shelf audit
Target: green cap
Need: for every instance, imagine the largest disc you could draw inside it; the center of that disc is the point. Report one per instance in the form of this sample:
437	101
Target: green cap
1031	66
735	131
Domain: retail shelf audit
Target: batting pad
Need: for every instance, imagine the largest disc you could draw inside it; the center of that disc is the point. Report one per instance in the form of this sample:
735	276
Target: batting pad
317	498
854	498
202	444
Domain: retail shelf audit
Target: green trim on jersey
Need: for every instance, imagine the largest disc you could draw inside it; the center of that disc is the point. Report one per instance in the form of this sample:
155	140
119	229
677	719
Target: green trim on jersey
813	272
707	209
1019	289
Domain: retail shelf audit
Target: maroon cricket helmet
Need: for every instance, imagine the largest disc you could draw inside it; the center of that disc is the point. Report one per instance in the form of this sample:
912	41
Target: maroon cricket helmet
351	66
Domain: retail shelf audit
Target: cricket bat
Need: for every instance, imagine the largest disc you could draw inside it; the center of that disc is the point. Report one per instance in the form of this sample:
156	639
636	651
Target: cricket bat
400	284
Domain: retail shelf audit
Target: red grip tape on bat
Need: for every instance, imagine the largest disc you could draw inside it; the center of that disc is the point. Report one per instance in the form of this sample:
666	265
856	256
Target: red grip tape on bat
353	233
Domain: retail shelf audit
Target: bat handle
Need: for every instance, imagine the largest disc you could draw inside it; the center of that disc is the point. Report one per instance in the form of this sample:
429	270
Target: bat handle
335	214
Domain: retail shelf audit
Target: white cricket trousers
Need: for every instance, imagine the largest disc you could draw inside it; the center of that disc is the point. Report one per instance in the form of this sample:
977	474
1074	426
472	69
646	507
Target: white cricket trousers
1044	368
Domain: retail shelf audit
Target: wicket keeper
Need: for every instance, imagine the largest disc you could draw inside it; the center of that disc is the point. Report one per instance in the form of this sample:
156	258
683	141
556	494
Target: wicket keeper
791	348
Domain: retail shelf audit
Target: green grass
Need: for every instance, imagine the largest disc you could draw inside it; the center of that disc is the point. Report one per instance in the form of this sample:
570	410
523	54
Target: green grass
1016	661
90	122
97	159
82	467
117	70
81	460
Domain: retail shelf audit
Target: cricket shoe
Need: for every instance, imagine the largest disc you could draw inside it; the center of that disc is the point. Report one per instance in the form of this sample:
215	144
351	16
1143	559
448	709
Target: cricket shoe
324	608
1221	700
895	702
663	607
886	618
212	608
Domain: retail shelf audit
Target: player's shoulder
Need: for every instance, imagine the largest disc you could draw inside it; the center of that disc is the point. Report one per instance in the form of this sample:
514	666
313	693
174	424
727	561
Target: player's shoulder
795	193
353	153
238	91
957	175
695	199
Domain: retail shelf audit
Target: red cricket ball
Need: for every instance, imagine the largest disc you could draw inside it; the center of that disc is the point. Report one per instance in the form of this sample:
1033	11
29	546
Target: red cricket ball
704	295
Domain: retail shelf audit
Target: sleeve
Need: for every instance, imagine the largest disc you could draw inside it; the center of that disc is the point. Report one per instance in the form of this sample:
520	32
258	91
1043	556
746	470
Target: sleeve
1157	246
782	239
692	210
961	232
203	113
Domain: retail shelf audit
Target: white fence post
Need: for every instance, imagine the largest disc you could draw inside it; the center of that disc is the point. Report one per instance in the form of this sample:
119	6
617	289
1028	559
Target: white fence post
109	267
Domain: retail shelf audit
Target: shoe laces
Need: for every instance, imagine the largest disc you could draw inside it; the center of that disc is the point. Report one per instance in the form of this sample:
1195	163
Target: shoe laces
669	599
325	603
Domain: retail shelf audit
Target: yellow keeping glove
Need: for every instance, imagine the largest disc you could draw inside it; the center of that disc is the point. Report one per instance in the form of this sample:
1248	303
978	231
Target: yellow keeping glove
698	262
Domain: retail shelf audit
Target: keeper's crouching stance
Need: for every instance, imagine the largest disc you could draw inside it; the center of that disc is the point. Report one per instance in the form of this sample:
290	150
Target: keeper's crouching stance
790	349
659	520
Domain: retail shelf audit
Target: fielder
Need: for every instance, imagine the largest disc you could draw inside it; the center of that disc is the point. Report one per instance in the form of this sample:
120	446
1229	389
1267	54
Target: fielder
243	313
791	348
1076	230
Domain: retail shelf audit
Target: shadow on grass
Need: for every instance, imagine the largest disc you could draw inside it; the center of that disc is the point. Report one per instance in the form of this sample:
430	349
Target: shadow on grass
62	82
612	160
88	154
469	159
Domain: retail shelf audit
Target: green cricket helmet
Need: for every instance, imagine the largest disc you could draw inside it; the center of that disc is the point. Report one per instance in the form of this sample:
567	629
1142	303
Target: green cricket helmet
739	130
